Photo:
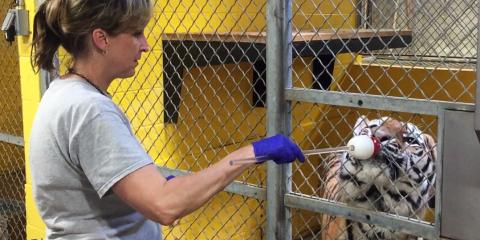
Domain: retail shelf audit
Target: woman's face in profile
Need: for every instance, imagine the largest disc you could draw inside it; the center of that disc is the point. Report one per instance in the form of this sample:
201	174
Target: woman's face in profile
124	52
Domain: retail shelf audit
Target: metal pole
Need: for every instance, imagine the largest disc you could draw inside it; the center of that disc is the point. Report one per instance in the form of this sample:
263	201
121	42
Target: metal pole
439	173
279	57
364	13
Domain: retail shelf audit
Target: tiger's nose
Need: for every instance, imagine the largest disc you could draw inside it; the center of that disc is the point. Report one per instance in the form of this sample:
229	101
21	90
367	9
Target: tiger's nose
382	135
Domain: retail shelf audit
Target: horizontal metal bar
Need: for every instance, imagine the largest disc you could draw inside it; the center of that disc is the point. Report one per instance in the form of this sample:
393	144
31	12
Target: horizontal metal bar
387	103
12	139
247	190
240	188
390	221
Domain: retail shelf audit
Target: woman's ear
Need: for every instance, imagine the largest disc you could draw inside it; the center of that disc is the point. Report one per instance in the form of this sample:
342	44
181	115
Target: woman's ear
100	40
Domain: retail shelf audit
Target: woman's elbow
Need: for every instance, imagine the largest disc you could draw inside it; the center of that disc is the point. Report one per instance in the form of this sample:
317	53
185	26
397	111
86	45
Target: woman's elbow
165	215
165	221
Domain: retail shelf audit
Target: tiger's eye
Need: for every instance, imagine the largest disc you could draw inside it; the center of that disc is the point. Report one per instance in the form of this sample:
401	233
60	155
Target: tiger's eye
385	138
410	140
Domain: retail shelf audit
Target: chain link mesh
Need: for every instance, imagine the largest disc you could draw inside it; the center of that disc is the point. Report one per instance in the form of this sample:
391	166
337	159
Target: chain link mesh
210	103
12	160
430	55
313	178
201	93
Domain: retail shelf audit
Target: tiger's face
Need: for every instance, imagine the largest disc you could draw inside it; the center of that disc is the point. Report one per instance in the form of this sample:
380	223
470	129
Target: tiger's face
403	144
399	180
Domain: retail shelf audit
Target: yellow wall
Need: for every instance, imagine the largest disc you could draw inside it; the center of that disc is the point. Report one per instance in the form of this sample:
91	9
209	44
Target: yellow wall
415	81
310	121
205	134
30	85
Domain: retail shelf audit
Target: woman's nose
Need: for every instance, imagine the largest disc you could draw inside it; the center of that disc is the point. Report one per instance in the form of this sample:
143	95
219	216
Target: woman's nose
144	47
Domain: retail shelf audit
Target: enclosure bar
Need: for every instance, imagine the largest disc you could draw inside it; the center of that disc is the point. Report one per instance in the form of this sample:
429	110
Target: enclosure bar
44	81
387	103
236	187
396	223
278	61
21	3
439	173
364	13
12	139
477	96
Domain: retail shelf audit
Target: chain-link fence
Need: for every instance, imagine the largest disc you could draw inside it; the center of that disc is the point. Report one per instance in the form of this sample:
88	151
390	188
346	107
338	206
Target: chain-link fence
336	68
12	160
418	57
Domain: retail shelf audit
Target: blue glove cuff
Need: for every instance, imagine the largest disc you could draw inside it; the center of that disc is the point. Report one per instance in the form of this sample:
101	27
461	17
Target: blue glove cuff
260	149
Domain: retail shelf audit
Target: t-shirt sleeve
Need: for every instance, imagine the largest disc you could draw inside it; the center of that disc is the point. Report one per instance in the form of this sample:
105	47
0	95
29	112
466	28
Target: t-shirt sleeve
108	151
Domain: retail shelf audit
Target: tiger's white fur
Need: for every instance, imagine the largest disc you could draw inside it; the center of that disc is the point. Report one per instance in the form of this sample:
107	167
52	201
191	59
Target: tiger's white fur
399	180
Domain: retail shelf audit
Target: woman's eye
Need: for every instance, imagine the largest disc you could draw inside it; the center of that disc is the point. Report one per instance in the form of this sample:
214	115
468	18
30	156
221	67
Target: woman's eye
138	34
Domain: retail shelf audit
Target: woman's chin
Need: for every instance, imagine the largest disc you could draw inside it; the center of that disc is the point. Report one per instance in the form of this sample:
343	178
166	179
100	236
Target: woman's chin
128	74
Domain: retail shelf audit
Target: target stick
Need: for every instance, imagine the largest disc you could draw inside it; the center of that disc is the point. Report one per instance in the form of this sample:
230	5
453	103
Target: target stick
361	147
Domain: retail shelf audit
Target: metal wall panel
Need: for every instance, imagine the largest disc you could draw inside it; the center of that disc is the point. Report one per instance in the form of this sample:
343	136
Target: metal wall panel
461	180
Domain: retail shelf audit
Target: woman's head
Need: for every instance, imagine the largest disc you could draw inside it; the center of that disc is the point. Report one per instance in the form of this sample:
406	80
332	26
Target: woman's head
69	23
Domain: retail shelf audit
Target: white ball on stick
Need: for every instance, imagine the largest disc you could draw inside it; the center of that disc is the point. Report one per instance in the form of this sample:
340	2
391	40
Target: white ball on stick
363	147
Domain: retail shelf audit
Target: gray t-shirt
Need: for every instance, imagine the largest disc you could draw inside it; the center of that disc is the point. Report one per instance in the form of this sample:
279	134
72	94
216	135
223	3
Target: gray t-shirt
81	145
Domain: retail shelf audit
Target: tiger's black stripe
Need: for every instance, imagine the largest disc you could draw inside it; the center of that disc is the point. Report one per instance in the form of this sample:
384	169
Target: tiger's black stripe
349	230
351	178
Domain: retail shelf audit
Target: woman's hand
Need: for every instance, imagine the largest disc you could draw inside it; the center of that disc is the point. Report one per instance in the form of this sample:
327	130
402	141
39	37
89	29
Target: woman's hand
278	148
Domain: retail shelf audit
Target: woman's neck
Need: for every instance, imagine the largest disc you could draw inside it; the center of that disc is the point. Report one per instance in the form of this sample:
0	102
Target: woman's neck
95	75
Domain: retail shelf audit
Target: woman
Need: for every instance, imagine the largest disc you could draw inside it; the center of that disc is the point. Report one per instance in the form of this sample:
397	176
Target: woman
91	177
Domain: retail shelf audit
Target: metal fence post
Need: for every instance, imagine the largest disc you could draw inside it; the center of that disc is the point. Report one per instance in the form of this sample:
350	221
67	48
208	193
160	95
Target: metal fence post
279	57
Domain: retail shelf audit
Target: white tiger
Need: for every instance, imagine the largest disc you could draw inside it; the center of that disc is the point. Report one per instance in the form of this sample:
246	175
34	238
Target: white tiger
399	180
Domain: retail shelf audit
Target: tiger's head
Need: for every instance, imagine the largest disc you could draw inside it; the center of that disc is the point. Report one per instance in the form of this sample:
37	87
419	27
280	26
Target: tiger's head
403	145
399	180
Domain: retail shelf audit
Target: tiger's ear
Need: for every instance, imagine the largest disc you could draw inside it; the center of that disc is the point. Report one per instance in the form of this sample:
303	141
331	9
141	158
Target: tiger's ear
432	146
362	122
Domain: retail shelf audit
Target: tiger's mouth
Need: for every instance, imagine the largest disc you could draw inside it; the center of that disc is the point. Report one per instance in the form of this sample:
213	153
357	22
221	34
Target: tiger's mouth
392	152
393	159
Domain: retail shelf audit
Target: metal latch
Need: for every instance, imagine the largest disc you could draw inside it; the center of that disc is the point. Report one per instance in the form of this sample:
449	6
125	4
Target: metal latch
15	23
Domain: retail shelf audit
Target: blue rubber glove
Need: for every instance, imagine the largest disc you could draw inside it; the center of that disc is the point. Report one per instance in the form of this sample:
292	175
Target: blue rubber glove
278	148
